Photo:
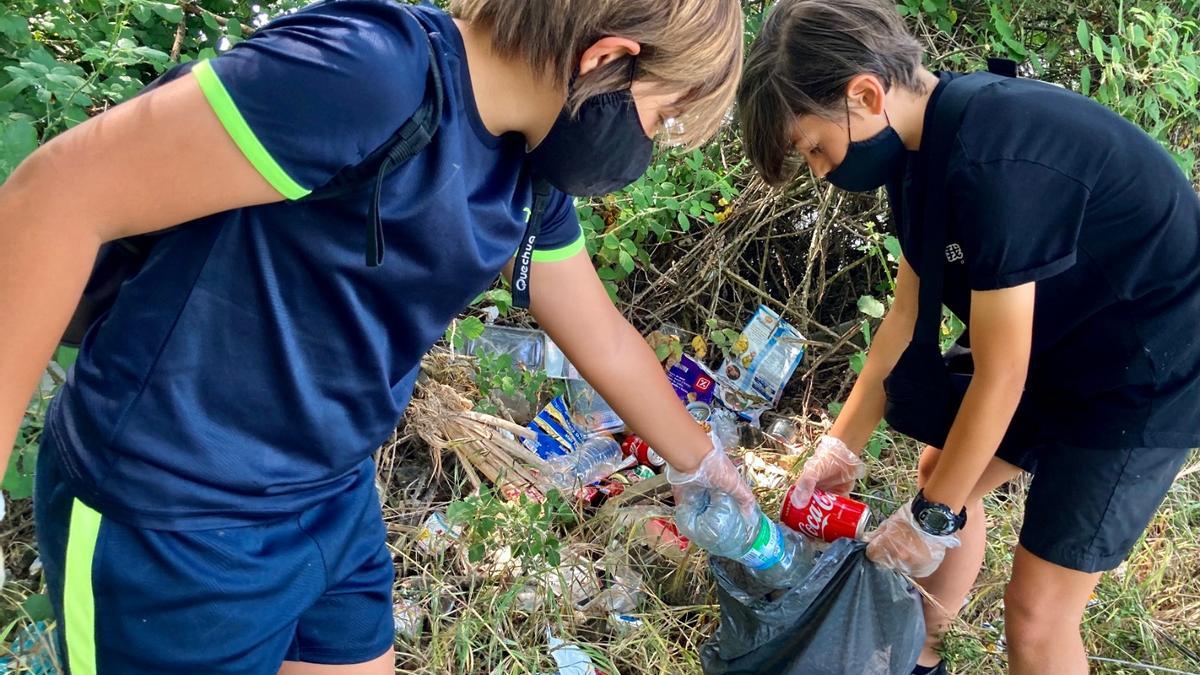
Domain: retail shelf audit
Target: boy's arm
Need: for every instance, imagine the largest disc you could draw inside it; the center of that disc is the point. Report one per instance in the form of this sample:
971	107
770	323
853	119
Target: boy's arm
160	159
1001	342
571	304
865	405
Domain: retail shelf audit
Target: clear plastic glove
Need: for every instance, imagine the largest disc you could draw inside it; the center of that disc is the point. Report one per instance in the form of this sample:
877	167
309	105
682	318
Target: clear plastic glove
899	543
716	471
833	467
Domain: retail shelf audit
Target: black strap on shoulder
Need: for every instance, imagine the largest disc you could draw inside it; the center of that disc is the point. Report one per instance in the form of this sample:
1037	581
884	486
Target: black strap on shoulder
409	139
936	145
523	267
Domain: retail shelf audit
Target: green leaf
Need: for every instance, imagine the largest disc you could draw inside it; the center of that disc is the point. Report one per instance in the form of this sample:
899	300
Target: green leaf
476	552
38	607
471	327
65	357
210	21
18	138
1098	48
626	262
683	221
234	28
18	479
171	13
871	306
1081	33
892	245
1003	27
1085	81
15	28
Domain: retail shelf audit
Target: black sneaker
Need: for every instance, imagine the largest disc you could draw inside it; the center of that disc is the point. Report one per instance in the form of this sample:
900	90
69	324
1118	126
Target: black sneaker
939	669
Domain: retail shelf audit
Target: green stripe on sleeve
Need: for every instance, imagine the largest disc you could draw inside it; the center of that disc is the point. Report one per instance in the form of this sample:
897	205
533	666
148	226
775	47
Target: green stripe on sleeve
557	254
223	105
79	607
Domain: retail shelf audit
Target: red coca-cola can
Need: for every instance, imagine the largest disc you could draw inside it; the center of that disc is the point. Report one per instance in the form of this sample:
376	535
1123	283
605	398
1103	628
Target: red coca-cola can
634	446
826	516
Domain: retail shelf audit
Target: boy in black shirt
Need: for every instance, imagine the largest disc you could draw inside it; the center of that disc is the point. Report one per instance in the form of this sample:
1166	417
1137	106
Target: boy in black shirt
1073	251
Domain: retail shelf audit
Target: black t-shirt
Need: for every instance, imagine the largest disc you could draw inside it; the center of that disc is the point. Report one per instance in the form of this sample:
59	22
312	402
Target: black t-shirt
1046	185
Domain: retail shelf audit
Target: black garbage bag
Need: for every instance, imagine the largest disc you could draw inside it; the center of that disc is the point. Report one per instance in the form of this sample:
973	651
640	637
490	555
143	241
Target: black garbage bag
847	616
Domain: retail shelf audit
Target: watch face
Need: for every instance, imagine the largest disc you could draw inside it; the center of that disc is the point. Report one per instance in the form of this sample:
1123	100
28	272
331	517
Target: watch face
936	521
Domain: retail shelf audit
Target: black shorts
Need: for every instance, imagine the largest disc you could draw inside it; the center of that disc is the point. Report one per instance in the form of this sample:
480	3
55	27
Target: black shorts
1086	508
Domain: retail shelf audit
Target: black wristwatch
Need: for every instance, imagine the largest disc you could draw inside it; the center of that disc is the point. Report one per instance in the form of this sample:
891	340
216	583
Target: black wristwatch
936	519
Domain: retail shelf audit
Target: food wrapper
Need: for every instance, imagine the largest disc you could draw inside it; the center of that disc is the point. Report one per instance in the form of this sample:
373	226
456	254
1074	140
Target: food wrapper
753	379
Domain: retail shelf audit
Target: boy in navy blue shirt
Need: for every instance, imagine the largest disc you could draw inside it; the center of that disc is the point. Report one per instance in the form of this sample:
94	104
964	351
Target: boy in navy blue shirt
205	491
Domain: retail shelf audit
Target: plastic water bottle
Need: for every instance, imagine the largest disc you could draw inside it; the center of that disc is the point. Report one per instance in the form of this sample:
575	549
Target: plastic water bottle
775	556
599	457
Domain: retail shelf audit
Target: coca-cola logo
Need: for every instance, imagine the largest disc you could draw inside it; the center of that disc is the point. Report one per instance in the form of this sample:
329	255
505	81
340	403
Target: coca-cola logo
816	517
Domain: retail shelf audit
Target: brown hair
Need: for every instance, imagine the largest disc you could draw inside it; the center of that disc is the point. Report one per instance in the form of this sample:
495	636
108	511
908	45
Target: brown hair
803	60
688	46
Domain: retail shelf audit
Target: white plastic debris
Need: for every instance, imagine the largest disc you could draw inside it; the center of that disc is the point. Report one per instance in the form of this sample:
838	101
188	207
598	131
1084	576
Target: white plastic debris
570	659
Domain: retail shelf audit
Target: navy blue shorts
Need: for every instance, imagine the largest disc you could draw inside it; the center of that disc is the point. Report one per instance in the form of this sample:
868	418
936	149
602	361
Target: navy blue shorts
313	587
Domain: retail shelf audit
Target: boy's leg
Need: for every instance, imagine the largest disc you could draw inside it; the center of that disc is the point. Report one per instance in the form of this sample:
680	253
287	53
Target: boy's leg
956	575
1043	607
1085	511
384	665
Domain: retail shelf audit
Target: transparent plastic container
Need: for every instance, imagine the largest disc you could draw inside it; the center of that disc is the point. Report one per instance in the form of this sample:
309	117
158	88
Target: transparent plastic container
775	556
597	458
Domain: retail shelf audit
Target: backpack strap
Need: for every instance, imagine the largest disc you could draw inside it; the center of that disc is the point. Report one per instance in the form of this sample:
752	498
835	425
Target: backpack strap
523	267
937	143
409	140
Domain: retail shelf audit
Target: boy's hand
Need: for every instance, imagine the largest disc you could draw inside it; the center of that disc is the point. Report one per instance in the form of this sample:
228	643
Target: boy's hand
716	472
903	546
833	467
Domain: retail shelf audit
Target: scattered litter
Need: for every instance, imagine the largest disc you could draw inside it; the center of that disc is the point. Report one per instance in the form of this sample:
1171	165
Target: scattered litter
557	365
754	377
32	651
590	411
653	528
785	433
692	381
526	346
409	618
622	591
625	624
436	535
555	432
634	446
35	567
725	428
570	659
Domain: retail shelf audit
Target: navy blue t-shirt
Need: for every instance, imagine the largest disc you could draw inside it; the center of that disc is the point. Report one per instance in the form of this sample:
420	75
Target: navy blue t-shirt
255	363
1047	186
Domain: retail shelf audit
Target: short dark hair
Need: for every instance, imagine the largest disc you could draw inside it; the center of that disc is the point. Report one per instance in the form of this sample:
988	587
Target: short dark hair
803	60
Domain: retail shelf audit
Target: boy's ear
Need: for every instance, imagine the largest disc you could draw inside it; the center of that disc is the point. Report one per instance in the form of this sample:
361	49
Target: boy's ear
866	92
605	51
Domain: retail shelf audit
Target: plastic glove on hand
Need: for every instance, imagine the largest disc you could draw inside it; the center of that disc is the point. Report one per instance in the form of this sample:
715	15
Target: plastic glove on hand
833	467
716	472
899	543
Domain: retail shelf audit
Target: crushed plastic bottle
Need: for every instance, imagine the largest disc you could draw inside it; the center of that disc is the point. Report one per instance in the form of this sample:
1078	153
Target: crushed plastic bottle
775	556
597	458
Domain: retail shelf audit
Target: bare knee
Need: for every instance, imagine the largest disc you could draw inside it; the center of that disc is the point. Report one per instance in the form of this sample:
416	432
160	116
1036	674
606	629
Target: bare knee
927	463
1034	617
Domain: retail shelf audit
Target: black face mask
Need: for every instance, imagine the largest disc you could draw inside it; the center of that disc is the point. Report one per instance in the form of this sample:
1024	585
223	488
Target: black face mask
871	162
600	150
